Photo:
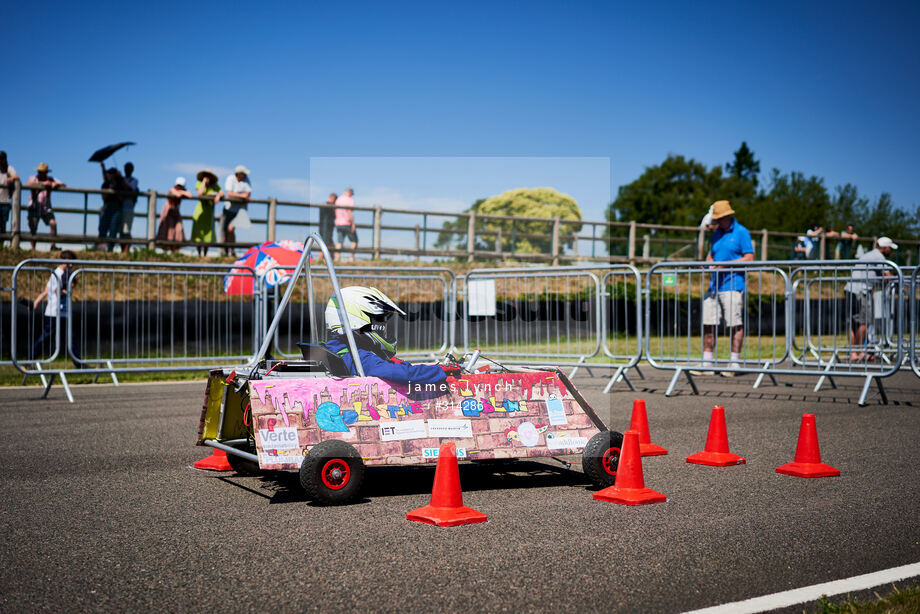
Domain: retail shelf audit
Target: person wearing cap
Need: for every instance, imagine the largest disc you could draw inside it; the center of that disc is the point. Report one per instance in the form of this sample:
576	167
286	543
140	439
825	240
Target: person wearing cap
724	300
170	218
858	293
127	205
203	216
237	187
40	201
8	179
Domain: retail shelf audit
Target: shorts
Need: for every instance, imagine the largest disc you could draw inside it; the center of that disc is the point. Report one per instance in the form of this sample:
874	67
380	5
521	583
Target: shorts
34	215
345	232
728	305
858	306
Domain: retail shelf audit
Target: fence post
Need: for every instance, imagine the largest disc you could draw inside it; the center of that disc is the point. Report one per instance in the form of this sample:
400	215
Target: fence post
377	215
417	255
151	218
498	243
556	241
470	236
631	243
272	218
646	246
701	243
823	251
763	244
17	208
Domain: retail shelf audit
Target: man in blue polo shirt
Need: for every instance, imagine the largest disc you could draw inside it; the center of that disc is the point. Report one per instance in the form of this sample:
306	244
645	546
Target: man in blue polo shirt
724	300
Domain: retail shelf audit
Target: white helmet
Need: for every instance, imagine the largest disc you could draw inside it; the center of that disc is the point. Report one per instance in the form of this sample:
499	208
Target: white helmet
368	310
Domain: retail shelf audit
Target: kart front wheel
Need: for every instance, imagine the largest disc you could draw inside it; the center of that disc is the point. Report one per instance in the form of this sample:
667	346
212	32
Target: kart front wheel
601	456
332	473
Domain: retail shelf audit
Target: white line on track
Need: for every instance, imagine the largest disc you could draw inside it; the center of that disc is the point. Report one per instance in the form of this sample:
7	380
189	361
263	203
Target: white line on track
813	592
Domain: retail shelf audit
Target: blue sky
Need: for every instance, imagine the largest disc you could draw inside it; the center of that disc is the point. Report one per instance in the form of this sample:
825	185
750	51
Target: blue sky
468	98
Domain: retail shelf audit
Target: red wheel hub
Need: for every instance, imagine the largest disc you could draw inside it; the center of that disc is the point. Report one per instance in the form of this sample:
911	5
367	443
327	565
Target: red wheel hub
610	460
335	474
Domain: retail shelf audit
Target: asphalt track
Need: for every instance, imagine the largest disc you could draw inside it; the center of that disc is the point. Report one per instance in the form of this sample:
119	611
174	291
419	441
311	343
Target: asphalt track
102	511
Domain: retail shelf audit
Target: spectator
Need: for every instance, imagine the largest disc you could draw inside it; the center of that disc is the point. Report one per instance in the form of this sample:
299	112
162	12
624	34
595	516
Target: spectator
236	186
858	294
814	234
203	216
327	220
40	201
802	247
345	221
724	300
170	218
110	215
8	179
128	204
56	311
846	244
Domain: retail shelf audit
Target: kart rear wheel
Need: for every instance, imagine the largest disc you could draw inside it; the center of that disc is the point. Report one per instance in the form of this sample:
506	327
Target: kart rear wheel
332	473
243	466
601	456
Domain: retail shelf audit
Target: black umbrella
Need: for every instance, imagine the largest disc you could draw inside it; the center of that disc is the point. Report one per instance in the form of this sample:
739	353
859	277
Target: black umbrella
101	154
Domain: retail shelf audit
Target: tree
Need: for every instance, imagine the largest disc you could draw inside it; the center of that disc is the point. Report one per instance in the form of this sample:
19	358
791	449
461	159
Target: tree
793	203
744	167
523	236
678	191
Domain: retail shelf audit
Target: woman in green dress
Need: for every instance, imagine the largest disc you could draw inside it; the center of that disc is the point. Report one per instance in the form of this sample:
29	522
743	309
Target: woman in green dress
203	216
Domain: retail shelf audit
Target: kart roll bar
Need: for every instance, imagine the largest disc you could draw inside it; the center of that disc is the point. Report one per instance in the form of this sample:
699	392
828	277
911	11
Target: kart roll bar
312	239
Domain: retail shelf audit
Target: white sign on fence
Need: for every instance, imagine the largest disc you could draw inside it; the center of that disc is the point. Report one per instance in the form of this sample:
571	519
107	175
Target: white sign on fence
482	297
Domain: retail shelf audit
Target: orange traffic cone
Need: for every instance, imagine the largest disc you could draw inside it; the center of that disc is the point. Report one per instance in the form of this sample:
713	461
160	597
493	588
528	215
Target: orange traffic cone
716	451
446	508
629	487
216	462
807	463
639	423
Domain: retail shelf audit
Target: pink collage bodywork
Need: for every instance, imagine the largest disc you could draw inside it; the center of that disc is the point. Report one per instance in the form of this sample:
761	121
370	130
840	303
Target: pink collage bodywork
487	416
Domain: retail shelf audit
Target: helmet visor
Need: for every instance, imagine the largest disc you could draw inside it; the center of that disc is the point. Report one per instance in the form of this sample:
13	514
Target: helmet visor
383	329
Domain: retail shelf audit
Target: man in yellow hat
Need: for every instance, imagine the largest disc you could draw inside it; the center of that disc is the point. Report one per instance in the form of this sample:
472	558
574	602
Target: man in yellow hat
724	300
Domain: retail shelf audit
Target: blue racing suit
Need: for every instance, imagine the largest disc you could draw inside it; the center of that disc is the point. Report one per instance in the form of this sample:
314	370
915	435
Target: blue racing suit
393	370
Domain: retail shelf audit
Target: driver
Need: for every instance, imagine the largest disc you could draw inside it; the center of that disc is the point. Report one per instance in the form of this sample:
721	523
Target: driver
368	311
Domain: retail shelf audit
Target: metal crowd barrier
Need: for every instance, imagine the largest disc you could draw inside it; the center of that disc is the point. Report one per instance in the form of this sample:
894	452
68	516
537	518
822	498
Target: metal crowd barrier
578	317
678	296
795	319
426	294
849	316
131	317
542	315
914	321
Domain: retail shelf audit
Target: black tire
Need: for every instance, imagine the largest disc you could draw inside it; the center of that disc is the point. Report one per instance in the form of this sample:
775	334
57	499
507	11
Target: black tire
332	473
600	458
243	466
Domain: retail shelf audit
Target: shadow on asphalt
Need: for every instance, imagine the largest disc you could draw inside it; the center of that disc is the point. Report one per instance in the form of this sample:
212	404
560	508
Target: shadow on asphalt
284	487
849	396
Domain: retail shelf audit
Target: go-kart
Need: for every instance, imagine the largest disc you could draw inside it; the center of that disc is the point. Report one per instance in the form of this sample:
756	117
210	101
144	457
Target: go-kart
311	415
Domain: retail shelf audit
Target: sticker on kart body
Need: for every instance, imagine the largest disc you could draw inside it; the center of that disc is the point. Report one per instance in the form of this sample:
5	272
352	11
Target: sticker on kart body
432	453
488	415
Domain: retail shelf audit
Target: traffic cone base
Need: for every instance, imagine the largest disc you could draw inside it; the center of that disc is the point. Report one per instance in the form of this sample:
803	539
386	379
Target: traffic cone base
639	422
651	449
715	453
808	470
807	462
216	462
446	508
716	459
446	516
629	496
629	487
